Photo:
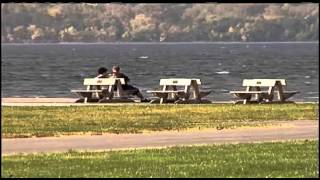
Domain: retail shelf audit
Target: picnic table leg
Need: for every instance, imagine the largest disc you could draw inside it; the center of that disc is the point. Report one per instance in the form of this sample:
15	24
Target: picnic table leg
187	90
119	88
280	91
86	98
196	90
173	95
163	99
97	94
258	96
270	93
247	99
110	91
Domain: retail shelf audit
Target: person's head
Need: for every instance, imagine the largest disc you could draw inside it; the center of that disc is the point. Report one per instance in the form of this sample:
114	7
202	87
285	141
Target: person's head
102	70
115	69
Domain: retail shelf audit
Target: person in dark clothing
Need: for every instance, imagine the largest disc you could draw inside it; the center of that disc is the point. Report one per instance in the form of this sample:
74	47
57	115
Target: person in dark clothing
102	73
127	87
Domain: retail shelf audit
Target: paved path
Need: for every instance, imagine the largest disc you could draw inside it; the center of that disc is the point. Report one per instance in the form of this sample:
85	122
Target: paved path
71	102
283	131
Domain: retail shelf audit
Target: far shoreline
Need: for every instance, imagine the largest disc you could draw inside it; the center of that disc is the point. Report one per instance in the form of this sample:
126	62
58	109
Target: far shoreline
159	43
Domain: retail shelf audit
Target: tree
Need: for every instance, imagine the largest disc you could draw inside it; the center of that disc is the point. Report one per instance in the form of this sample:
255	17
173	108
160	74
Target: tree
143	28
51	22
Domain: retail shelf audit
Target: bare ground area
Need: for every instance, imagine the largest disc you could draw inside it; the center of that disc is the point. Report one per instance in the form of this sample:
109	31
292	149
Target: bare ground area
282	131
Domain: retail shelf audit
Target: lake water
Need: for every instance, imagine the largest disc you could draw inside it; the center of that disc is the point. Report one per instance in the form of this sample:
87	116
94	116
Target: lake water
52	70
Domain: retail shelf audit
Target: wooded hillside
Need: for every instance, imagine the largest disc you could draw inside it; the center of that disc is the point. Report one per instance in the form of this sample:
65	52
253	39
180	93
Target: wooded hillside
75	22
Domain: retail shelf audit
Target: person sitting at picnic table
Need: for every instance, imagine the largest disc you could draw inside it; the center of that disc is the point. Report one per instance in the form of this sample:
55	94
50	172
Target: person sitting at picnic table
127	87
102	73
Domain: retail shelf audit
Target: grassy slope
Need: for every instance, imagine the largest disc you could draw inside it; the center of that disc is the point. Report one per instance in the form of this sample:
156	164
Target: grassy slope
289	159
49	121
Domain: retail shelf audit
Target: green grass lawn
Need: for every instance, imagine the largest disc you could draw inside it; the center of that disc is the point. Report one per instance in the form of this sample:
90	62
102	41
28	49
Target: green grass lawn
281	159
51	121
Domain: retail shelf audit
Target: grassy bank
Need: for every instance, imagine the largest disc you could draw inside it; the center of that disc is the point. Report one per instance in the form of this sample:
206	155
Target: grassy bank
286	159
50	121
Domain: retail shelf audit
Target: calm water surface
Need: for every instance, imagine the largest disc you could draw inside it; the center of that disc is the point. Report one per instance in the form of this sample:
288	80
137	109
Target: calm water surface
52	70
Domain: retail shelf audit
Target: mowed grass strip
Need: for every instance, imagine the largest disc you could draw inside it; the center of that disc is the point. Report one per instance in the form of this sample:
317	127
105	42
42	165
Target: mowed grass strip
51	121
281	159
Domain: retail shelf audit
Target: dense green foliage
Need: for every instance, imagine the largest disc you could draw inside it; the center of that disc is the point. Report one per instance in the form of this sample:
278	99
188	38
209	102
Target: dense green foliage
75	22
289	159
49	121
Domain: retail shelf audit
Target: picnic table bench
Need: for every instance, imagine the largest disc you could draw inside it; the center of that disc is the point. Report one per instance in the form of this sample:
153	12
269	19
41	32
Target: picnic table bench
180	91
254	88
102	90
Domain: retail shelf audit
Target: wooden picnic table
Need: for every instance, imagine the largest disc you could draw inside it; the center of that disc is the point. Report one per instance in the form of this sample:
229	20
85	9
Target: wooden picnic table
179	90
254	88
102	90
